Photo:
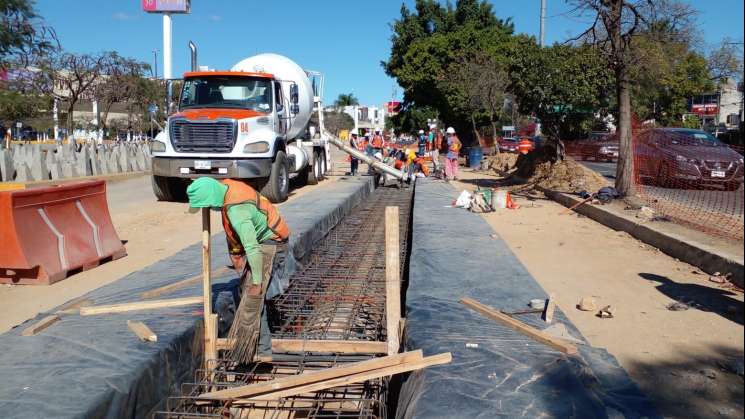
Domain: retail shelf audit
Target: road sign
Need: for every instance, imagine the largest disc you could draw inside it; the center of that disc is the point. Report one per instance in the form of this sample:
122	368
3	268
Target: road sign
166	6
19	124
153	109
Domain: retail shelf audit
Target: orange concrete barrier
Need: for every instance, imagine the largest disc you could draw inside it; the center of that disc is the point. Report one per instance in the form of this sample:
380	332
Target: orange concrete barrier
48	233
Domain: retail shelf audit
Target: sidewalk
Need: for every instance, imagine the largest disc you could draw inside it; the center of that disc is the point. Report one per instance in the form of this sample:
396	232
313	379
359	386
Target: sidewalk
668	353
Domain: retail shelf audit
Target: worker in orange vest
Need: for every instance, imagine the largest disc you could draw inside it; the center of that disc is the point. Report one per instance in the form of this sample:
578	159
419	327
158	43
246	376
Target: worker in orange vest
451	159
377	142
525	146
249	220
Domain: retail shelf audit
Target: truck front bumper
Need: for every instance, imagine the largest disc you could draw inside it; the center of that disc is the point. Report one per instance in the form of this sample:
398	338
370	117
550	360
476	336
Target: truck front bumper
219	168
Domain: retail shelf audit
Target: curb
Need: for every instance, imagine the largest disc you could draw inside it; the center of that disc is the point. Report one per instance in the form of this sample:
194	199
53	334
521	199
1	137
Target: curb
40	183
703	257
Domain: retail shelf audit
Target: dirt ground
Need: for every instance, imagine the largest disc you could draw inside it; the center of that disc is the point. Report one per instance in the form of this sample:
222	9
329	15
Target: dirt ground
152	230
679	358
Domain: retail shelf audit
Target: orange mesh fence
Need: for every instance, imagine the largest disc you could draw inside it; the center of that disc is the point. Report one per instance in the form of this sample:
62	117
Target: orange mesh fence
685	175
692	178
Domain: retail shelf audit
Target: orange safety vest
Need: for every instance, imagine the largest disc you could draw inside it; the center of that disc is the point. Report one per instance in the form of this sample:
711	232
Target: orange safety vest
240	193
377	141
454	145
525	146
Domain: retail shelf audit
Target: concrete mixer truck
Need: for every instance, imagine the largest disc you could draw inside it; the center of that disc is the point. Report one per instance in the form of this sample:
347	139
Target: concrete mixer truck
252	122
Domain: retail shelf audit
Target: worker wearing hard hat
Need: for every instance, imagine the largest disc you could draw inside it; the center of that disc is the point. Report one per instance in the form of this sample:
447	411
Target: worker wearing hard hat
422	142
451	159
249	220
353	161
377	142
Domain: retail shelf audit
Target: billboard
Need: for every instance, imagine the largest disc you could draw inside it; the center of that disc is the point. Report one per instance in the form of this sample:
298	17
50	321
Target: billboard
704	108
393	107
166	6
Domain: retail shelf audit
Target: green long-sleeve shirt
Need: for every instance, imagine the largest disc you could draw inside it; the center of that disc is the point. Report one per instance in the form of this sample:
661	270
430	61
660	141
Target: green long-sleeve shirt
253	229
250	223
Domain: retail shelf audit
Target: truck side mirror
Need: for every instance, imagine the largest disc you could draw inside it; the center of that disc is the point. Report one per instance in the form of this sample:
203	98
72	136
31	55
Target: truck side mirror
294	99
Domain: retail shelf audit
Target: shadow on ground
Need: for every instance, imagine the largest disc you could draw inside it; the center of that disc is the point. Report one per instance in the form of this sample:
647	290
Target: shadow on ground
701	387
700	297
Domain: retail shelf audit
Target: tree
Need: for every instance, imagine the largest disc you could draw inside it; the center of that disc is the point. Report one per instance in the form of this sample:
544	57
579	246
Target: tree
428	45
16	106
615	26
346	99
68	77
726	60
120	83
22	33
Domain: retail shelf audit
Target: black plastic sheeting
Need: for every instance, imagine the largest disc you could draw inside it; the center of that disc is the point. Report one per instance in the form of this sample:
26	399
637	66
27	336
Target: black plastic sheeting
500	373
95	367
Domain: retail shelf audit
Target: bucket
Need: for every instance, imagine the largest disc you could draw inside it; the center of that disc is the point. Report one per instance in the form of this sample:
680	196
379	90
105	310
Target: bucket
475	154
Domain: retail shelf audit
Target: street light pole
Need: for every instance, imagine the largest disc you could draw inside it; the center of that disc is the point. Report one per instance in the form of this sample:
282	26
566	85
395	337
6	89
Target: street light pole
155	63
542	36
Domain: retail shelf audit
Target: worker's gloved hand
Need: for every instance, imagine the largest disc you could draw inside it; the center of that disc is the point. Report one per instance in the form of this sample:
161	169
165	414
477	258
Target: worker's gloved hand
239	263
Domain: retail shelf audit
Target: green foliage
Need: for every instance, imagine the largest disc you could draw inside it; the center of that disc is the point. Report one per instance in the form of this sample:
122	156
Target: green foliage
16	106
21	33
411	119
334	122
561	85
692	121
346	99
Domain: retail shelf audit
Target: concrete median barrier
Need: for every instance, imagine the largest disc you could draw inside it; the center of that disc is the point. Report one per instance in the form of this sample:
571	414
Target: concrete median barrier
49	232
35	162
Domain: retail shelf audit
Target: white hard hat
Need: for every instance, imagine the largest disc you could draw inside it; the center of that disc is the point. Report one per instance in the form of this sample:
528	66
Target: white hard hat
421	131
377	129
379	156
451	130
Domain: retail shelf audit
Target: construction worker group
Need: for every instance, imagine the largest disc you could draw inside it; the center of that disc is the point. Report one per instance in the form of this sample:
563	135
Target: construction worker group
411	157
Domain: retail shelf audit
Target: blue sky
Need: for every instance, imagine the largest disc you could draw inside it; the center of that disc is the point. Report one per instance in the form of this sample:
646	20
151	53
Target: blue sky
344	39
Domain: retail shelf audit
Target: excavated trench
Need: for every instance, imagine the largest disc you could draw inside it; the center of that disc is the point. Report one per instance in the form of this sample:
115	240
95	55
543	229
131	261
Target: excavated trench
338	293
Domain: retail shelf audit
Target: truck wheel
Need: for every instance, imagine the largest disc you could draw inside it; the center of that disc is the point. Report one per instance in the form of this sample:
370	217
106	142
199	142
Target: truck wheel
314	171
169	189
277	187
324	165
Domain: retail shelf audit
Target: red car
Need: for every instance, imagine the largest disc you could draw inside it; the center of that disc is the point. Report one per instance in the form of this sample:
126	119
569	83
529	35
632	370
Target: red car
679	157
508	144
598	146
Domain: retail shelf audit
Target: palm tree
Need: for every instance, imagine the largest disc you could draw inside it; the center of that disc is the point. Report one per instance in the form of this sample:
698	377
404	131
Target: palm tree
346	99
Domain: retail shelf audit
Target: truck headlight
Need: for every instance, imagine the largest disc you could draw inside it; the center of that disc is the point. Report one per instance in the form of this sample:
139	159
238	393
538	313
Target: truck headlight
157	146
604	150
260	147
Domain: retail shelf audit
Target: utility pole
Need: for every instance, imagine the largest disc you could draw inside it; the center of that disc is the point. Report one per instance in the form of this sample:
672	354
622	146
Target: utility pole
155	63
167	68
542	36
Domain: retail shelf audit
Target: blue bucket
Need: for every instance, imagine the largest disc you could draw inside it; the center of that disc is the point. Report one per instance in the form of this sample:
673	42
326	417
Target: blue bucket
475	154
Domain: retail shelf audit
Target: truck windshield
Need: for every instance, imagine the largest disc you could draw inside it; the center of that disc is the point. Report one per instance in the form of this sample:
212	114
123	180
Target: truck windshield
227	92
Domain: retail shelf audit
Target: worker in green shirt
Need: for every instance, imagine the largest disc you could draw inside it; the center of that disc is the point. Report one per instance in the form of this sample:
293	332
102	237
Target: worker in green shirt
249	220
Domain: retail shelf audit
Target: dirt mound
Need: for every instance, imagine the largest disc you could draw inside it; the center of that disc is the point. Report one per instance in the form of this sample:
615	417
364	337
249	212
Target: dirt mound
564	175
502	162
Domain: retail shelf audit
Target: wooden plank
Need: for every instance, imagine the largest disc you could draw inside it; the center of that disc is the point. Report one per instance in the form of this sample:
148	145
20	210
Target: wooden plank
429	361
157	292
521	327
392	279
332	346
548	315
139	305
40	325
142	331
74	306
312	377
210	320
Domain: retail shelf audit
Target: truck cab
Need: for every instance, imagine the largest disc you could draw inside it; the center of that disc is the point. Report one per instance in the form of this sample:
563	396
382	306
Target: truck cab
239	125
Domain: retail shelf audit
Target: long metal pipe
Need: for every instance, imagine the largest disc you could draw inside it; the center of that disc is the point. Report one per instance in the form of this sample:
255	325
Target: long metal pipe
193	49
374	163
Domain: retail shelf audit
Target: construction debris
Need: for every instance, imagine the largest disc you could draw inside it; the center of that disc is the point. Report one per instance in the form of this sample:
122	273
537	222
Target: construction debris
139	305
678	306
586	304
142	331
521	327
40	325
605	313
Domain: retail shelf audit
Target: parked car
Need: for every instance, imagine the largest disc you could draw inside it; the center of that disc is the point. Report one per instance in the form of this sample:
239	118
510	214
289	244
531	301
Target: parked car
599	146
679	157
508	144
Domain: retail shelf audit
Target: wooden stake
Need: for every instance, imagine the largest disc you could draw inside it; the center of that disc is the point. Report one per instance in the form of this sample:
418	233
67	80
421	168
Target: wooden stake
548	315
40	325
521	327
210	320
139	305
142	331
392	279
